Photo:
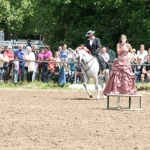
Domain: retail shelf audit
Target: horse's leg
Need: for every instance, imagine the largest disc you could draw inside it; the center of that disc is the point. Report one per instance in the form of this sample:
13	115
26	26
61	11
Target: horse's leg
96	86
85	86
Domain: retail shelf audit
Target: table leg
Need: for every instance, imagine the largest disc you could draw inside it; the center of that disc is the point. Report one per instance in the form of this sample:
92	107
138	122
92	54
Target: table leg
107	102
118	103
129	102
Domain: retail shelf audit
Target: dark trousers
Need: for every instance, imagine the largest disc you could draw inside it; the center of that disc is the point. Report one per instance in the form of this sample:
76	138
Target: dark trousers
39	75
21	73
102	64
44	69
7	72
48	75
29	74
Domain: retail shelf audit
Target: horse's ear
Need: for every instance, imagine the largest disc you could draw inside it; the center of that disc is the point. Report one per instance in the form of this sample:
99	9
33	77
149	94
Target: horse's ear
82	59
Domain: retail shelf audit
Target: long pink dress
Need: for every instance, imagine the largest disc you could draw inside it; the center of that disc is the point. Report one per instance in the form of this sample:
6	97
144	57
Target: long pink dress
121	79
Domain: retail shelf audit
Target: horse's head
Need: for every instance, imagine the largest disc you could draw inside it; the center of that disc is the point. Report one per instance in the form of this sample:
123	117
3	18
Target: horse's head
78	56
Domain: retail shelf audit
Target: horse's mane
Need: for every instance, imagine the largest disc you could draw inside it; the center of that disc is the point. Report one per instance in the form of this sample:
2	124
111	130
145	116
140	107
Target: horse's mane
84	52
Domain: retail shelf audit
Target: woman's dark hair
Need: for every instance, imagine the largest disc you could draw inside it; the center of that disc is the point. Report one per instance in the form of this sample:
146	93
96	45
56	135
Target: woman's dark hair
48	47
120	38
41	50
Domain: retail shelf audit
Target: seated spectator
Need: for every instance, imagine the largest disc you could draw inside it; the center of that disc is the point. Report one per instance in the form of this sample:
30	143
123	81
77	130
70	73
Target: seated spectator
50	70
138	69
146	71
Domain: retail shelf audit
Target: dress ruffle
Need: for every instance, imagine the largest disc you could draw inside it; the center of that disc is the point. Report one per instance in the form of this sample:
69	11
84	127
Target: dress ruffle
122	79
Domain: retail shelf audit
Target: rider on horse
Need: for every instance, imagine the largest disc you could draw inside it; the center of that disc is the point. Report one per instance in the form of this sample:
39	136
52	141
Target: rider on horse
94	45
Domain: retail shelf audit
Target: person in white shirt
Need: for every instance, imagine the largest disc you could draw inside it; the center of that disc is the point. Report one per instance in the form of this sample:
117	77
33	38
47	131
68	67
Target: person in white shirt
3	59
106	57
29	63
142	53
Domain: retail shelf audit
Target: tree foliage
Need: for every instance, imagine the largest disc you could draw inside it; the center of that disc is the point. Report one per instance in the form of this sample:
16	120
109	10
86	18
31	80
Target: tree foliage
67	21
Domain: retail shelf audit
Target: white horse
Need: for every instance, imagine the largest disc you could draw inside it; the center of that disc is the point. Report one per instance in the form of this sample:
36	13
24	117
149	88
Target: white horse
90	69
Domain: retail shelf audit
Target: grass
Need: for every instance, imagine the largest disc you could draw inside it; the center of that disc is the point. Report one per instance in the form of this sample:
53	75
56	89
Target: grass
55	86
35	85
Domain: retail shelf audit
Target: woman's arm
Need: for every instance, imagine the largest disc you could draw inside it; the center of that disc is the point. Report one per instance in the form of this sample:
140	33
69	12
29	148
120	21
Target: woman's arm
118	48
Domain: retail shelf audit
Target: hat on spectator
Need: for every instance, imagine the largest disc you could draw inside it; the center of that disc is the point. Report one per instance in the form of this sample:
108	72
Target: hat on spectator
9	47
89	33
70	49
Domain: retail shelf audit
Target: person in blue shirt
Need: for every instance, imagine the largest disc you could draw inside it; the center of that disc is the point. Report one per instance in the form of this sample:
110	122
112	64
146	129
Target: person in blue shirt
20	54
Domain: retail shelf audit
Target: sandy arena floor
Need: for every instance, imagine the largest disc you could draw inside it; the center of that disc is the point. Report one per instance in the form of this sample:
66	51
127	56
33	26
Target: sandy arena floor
70	120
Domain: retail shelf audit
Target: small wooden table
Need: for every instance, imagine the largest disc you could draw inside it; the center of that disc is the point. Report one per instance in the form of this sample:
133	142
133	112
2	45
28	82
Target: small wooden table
118	102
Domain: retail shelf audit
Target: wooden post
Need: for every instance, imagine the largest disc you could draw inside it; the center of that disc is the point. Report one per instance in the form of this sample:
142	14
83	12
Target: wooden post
129	102
107	102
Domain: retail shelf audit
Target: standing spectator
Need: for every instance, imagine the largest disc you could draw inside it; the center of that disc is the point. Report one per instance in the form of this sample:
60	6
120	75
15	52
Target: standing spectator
104	54
46	57
138	69
111	53
29	64
40	58
50	70
142	53
16	69
64	54
146	71
36	53
20	55
82	47
4	59
10	55
57	60
59	50
133	59
148	53
69	54
71	70
29	42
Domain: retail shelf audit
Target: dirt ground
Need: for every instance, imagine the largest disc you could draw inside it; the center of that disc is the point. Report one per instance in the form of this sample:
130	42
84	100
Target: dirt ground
70	120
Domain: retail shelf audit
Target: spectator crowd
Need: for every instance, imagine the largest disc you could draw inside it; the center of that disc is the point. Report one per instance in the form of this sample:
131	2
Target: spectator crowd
43	65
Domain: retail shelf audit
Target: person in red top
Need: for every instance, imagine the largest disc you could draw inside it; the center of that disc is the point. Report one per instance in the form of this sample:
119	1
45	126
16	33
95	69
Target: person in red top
50	70
10	55
82	47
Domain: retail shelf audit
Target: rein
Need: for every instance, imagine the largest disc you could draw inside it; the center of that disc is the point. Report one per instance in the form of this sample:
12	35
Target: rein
85	70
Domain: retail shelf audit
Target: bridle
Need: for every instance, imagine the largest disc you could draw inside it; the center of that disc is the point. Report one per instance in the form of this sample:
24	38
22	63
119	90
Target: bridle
78	58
